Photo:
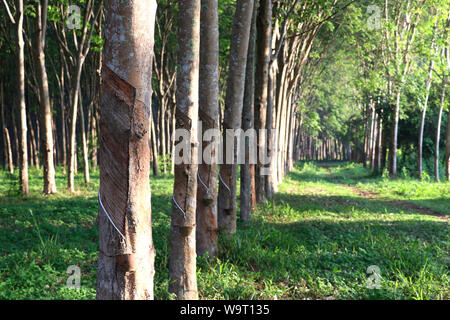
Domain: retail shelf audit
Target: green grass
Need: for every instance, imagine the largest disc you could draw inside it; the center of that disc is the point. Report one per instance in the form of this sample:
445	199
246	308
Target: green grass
426	192
315	240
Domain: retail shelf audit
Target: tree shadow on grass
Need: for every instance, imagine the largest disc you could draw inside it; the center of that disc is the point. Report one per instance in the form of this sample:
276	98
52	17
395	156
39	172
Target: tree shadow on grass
342	204
331	257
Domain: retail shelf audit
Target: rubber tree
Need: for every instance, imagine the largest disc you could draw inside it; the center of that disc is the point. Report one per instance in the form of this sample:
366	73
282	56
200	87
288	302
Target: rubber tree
263	54
182	259
20	73
126	254
232	119
424	109
82	50
46	122
206	232
248	196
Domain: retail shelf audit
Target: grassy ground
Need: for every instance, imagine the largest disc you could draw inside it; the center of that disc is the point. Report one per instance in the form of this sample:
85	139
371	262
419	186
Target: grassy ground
315	240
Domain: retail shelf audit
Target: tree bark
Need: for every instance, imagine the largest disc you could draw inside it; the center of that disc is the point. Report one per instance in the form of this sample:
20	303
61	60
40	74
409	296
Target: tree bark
126	264
438	131
233	115
247	169
87	178
206	232
44	98
20	60
153	144
422	120
182	260
82	51
447	149
263	54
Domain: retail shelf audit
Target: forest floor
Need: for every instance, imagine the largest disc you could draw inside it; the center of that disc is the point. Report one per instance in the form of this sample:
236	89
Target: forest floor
327	224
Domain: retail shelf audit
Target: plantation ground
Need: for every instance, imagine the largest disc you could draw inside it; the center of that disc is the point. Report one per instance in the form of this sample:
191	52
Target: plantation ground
326	225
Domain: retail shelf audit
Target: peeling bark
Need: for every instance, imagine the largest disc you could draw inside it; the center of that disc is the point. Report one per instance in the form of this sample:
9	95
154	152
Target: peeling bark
126	273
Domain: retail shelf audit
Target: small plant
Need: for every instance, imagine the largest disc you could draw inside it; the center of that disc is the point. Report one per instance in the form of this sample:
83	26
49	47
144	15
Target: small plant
48	248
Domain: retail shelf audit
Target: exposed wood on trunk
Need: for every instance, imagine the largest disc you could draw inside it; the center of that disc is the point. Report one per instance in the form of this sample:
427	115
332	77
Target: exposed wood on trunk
126	271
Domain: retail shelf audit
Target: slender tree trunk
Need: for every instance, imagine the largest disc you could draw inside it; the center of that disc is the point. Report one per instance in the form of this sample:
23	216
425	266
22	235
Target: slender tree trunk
15	134
447	149
126	265
247	169
422	120
34	142
87	178
372	136
263	53
82	51
2	114
172	141
378	146
394	135
182	260
63	123
154	146
438	131
20	60
44	98
162	137
233	115
8	146
206	232
73	128
271	185
94	152
33	151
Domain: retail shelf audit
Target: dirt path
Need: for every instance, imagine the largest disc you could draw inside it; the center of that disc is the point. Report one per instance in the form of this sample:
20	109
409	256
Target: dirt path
397	203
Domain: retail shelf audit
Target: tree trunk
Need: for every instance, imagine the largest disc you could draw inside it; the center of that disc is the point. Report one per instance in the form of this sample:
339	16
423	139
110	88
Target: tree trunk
63	123
182	260
378	146
23	147
422	120
4	130
233	115
206	232
126	260
263	53
447	149
438	131
372	136
394	135
8	146
87	177
247	169
80	56
154	146
73	128
44	98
